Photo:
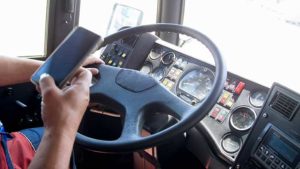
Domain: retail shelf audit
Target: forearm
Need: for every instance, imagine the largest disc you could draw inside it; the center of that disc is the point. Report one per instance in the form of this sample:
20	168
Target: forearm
16	70
54	152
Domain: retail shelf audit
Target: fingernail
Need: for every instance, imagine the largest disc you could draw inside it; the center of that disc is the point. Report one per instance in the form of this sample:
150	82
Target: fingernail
44	75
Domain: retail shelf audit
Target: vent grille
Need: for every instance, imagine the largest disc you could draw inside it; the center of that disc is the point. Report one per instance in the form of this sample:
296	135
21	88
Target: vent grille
284	105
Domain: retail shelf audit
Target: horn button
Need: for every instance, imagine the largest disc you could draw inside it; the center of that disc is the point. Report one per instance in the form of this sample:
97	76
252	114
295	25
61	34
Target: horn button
135	81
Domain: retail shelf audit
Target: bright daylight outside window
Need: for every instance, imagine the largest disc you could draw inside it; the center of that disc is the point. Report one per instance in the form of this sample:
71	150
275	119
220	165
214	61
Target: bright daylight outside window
22	28
106	17
258	38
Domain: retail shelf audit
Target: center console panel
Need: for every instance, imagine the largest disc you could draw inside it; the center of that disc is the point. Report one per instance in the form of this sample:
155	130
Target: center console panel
274	142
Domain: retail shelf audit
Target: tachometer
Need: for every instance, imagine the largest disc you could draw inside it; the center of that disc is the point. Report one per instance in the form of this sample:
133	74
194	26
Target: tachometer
242	118
197	82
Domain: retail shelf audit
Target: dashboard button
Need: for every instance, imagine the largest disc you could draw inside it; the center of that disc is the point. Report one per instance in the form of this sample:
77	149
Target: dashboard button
222	115
110	62
283	166
277	161
232	86
222	101
262	148
229	103
124	55
266	152
120	64
263	158
273	166
240	87
215	112
268	162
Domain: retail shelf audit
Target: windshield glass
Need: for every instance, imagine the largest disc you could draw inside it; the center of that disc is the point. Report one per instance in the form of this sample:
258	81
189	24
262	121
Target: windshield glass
106	17
259	39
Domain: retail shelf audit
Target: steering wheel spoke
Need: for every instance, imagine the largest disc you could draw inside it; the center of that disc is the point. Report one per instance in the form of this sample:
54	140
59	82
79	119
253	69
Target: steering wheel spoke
166	102
131	125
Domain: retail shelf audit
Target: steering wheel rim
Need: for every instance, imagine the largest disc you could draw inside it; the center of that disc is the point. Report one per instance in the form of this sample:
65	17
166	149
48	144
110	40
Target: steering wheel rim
191	115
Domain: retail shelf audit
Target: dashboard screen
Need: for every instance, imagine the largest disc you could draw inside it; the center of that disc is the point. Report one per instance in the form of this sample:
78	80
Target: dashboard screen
282	148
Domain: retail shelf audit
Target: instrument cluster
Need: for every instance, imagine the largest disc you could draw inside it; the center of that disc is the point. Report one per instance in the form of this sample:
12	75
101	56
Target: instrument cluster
181	74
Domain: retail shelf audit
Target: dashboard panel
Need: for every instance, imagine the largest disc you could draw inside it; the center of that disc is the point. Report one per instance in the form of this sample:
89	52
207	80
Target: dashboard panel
228	124
274	141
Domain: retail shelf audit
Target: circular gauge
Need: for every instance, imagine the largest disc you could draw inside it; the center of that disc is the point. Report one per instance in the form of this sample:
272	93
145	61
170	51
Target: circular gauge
258	98
158	73
231	143
197	82
147	68
155	53
168	58
242	118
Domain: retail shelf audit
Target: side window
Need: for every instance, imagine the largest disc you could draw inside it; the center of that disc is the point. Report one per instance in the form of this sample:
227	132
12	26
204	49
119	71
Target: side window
22	29
105	17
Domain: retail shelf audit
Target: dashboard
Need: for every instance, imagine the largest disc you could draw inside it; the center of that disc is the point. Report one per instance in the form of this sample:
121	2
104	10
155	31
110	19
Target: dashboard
228	123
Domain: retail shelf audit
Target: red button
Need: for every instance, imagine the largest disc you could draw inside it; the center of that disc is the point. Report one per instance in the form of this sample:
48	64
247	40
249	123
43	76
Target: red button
222	101
240	87
215	112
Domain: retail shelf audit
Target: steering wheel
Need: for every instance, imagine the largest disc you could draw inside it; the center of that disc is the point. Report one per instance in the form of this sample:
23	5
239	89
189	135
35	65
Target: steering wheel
135	94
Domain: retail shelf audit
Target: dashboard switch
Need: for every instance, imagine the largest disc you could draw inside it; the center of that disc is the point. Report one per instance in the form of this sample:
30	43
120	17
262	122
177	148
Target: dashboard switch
240	87
229	103
222	115
232	86
215	112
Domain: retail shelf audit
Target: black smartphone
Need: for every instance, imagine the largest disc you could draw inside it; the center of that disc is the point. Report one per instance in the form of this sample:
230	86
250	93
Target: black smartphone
68	56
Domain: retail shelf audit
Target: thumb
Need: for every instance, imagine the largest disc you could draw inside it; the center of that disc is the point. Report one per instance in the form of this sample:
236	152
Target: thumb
47	85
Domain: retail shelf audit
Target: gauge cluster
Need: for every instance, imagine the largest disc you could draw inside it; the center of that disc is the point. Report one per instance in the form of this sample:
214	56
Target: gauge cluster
183	75
230	120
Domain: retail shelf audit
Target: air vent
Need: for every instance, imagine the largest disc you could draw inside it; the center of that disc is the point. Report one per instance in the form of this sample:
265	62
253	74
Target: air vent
284	105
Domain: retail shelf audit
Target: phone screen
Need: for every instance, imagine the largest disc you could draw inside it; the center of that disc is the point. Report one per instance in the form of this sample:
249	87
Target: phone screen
68	56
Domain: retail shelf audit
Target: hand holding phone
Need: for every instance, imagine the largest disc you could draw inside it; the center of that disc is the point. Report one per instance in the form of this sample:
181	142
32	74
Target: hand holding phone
68	56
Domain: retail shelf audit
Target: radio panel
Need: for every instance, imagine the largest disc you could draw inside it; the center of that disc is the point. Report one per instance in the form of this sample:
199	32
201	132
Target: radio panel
277	150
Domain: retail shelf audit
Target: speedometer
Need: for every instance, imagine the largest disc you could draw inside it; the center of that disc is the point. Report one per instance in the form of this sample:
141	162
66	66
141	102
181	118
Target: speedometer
242	118
197	82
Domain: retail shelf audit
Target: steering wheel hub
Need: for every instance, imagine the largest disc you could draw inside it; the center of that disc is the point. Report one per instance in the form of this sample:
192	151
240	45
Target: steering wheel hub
134	81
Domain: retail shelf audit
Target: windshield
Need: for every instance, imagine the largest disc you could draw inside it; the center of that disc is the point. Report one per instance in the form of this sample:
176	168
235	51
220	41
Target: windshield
258	38
106	17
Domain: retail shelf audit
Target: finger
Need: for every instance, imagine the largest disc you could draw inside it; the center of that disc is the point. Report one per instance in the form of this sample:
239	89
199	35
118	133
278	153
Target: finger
47	85
92	60
94	71
83	79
